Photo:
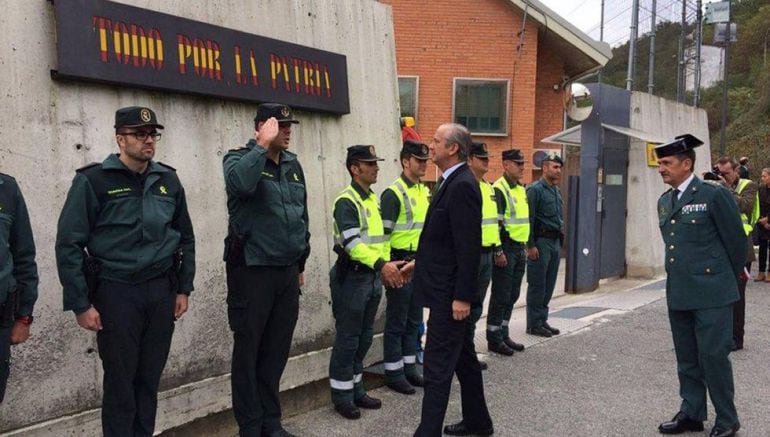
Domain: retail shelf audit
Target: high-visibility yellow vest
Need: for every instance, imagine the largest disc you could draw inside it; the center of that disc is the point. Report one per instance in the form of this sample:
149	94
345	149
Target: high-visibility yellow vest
369	242
411	215
748	222
516	216
490	234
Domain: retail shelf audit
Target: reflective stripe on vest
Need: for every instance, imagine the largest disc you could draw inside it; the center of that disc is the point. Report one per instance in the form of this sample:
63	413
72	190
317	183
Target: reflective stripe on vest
748	223
411	215
371	232
516	216
490	234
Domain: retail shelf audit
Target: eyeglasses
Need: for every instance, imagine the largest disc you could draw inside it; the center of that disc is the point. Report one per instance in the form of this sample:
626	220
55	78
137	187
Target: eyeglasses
142	136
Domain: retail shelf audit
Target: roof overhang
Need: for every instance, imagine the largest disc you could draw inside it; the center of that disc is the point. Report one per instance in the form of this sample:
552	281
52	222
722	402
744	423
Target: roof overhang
571	136
591	54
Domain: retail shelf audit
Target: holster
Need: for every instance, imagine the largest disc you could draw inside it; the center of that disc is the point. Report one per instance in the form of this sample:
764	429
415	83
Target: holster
92	266
342	266
10	307
235	246
402	255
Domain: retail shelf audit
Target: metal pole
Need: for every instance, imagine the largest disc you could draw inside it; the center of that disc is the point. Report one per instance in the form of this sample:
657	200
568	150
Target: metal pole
723	127
601	37
698	45
651	80
632	45
680	57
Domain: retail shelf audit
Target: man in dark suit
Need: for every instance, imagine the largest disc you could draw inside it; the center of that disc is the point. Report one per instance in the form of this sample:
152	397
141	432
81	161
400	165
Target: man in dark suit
705	252
446	273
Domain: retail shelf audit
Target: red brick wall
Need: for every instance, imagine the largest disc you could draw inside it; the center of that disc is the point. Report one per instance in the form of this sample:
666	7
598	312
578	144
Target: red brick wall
549	107
440	40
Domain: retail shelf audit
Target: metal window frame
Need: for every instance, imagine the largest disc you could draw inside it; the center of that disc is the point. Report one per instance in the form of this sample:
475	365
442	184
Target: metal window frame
505	117
416	95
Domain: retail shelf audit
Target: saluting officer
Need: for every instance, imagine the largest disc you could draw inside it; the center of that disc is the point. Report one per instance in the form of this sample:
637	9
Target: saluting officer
125	222
404	205
266	248
511	259
356	281
543	245
18	273
705	252
478	162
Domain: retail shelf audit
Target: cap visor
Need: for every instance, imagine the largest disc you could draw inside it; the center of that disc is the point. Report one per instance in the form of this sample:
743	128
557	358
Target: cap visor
292	121
421	158
159	126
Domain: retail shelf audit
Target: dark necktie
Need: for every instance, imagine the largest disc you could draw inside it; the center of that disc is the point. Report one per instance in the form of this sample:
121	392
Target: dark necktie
674	198
438	184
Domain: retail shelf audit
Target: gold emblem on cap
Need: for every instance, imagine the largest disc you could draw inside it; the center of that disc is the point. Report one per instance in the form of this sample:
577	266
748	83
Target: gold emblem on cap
285	111
424	149
144	114
371	150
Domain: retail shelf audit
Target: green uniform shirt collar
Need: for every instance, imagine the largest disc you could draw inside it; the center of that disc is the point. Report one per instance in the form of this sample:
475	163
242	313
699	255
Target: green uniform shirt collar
511	182
360	190
285	154
113	162
409	183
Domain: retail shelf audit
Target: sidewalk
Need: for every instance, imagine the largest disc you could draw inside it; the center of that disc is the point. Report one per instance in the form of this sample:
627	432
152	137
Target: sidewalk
611	372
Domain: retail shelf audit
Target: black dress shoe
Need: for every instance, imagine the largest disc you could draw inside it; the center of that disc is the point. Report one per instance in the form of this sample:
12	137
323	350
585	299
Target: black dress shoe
500	348
540	331
368	402
401	386
553	330
348	411
462	429
679	424
725	432
483	365
736	347
518	347
416	380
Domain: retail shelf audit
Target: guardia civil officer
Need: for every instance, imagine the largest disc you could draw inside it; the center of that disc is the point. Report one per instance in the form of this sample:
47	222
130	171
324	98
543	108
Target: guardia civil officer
478	162
404	205
543	245
511	258
266	248
125	252
356	281
705	251
18	273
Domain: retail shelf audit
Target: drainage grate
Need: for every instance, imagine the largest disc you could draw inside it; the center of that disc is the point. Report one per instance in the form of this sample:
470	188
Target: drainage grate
658	285
576	313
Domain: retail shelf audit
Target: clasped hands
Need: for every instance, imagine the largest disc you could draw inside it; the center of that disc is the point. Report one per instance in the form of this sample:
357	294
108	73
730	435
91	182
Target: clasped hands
396	274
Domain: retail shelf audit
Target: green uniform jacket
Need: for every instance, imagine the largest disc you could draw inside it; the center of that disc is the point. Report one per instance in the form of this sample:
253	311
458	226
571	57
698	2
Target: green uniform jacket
545	209
267	203
131	223
705	246
17	248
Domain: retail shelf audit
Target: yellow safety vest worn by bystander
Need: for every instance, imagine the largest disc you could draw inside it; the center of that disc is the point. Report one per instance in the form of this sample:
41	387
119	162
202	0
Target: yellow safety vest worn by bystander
411	215
490	236
369	241
748	222
516	216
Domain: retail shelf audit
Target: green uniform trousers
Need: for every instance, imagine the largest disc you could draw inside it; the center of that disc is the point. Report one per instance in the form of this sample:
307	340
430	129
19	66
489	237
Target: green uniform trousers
402	317
485	275
354	305
702	341
541	277
506	287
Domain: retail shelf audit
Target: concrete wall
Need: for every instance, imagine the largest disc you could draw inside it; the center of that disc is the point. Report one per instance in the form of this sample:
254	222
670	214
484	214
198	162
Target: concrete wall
664	119
48	129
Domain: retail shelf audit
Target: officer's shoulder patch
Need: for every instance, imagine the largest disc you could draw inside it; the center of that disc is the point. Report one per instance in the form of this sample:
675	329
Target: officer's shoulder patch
87	166
167	166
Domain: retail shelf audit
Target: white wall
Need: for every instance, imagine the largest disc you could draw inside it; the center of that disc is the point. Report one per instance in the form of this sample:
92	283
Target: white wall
664	119
56	374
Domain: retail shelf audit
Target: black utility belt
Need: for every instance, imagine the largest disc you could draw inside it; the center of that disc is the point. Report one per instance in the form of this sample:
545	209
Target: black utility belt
487	249
355	266
548	234
400	254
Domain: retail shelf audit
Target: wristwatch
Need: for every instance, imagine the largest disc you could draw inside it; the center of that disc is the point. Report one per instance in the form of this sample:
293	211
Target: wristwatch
25	320
498	252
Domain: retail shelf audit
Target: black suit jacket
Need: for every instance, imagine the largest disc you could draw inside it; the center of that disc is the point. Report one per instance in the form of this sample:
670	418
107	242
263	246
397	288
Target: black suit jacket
447	262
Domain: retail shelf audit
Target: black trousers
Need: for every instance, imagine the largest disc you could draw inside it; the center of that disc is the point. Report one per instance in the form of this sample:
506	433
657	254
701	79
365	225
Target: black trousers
262	309
450	351
763	247
138	322
739	312
5	358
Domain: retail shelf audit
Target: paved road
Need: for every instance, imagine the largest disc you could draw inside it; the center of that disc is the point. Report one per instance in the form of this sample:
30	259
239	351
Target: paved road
612	374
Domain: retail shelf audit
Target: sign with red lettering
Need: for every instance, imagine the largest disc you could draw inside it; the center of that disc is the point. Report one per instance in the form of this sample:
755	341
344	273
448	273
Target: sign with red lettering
119	44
